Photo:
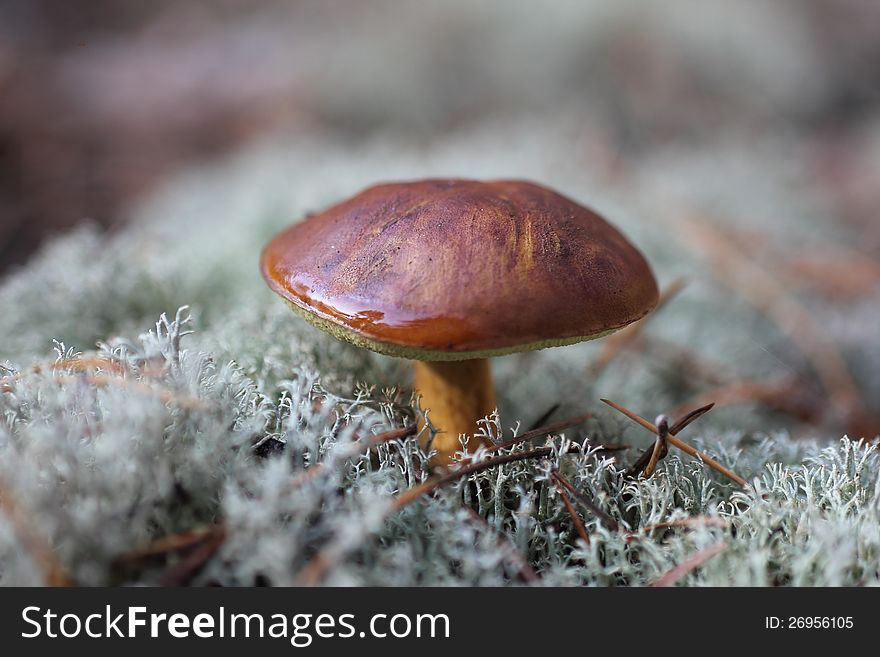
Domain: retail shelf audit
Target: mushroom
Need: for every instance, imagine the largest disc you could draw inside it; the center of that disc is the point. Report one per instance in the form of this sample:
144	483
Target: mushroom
450	273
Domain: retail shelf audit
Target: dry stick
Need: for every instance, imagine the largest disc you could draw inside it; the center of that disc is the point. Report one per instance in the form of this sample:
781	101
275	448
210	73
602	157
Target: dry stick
606	520
7	382
555	427
542	419
782	396
37	548
79	363
189	567
173	543
315	569
689	564
644	460
762	290
838	272
683	446
624	337
100	381
575	519
696	521
829	268
358	446
166	396
412	494
659	450
689	417
186	539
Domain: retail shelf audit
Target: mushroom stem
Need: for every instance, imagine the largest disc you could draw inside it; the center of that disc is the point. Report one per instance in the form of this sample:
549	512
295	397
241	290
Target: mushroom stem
456	395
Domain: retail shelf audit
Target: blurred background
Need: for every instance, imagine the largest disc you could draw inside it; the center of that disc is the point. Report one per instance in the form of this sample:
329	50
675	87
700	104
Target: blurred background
752	129
102	100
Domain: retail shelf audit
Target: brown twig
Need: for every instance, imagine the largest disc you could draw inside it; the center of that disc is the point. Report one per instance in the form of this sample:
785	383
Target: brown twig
410	495
37	548
166	396
696	521
357	447
783	396
315	569
575	519
543	417
829	268
680	444
690	416
834	273
645	459
613	344
659	450
761	289
80	363
555	427
7	384
167	544
583	500
192	564
318	566
688	565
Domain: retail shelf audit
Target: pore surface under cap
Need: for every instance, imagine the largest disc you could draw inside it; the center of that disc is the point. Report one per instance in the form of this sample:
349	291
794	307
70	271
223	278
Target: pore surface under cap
455	269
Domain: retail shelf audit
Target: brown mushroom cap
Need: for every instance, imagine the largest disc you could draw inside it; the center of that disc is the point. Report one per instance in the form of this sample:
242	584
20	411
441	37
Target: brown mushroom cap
460	269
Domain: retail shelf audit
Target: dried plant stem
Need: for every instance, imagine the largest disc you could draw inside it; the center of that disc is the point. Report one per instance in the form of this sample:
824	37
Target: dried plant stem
7	384
688	565
680	444
575	519
782	396
546	415
770	296
412	494
81	363
199	546
659	451
314	570
836	271
192	564
697	521
38	549
173	543
554	427
656	454
830	268
582	499
166	396
356	448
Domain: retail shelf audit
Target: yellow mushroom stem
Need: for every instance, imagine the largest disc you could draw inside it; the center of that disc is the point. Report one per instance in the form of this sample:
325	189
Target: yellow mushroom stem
456	394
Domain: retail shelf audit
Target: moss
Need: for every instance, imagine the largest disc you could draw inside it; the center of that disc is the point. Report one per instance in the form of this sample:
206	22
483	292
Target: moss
174	432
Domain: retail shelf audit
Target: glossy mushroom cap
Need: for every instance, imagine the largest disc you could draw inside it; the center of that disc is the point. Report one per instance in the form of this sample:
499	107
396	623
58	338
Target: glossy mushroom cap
460	269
